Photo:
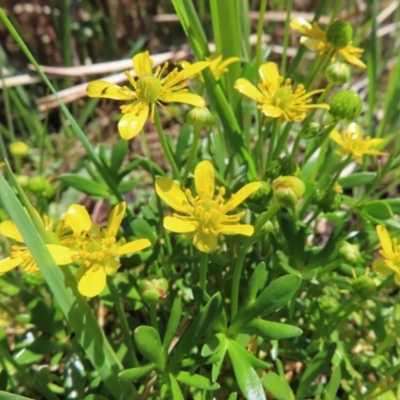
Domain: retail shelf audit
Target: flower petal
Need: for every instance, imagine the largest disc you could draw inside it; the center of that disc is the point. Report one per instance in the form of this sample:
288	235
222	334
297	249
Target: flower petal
385	239
271	111
172	194
337	137
115	219
107	90
78	218
62	255
132	247
187	98
269	73
132	123
178	225
301	25
238	229
204	179
10	230
143	64
241	195
9	263
352	59
92	282
248	89
205	242
379	265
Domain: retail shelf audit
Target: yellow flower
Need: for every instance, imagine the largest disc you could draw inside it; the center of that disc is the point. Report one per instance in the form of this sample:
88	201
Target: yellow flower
204	216
315	39
95	247
276	96
216	65
353	143
391	255
21	256
149	90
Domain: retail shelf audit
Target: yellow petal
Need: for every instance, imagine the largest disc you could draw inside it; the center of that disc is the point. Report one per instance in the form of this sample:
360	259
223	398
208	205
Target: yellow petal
248	89
108	90
313	44
9	263
240	196
352	59
301	25
143	64
269	73
78	218
227	62
132	247
62	255
114	222
205	242
238	229
187	98
92	282
191	70
111	266
271	111
336	136
172	194
132	123
178	225
379	265
10	230
385	239
204	179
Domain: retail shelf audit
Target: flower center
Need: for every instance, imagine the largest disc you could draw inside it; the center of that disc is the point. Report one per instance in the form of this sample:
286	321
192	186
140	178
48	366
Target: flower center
283	97
148	89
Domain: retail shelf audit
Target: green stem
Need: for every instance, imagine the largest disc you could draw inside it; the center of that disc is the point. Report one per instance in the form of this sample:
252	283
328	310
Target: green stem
153	314
260	26
286	37
318	68
273	142
262	220
131	356
203	270
192	153
164	144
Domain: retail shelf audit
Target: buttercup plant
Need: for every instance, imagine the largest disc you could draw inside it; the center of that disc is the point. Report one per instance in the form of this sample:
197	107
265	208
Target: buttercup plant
245	246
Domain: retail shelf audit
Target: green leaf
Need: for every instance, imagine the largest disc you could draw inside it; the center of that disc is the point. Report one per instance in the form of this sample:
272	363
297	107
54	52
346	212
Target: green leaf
277	386
173	322
378	209
118	154
132	374
175	389
198	328
246	376
317	367
271	330
250	358
394	204
10	396
357	179
196	380
212	346
217	365
334	383
149	344
256	282
142	229
85	185
276	295
128	186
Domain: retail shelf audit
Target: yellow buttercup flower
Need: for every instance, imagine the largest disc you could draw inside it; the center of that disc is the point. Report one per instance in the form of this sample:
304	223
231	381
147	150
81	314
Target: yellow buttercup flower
315	39
95	247
20	254
353	143
149	90
204	216
276	97
390	263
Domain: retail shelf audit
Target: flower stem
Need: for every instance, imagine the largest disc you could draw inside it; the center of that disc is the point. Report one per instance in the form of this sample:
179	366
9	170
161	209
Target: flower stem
153	314
131	356
164	144
192	153
286	37
262	220
260	26
203	270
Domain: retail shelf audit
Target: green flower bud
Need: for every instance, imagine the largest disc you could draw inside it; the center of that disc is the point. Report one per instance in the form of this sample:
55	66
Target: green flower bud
200	116
19	149
346	104
288	190
339	33
37	184
328	200
338	73
35	279
49	190
350	252
260	196
311	131
23	318
153	289
23	180
364	287
285	166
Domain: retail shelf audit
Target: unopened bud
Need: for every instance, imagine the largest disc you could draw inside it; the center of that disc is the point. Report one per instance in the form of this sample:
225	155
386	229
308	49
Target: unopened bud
19	149
37	184
328	200
311	131
153	289
346	104
364	287
288	190
23	180
285	166
350	252
339	33
200	117
338	73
